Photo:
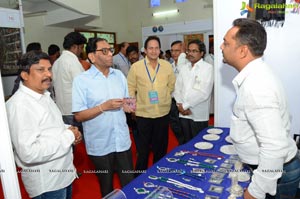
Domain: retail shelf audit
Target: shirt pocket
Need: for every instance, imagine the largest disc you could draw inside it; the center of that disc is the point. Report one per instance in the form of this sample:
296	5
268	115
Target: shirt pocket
239	128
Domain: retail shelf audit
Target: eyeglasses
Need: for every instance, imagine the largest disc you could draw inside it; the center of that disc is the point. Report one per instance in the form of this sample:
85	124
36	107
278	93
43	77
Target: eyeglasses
105	51
192	51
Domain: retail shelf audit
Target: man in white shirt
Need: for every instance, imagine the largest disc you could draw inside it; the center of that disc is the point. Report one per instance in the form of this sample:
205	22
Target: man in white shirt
65	68
193	91
42	142
179	57
120	60
260	125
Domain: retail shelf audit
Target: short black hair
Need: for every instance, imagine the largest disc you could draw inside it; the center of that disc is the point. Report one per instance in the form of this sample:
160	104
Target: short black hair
52	49
92	44
88	47
30	58
152	38
34	46
176	42
200	44
252	34
131	49
73	38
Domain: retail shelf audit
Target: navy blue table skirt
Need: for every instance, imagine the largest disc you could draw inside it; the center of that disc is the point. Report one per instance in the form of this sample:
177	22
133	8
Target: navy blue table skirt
172	169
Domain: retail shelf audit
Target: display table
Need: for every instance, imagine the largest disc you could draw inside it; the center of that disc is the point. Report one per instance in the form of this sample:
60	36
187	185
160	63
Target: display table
201	171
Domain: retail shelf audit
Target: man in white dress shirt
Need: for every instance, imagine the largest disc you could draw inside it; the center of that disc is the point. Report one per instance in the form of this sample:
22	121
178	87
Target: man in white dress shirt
260	125
193	91
65	68
42	142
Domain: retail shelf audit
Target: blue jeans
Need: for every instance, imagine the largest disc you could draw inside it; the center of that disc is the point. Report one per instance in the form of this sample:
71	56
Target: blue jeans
288	184
64	193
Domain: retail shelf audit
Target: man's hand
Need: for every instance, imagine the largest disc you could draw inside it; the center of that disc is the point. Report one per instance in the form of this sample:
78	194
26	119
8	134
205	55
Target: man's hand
112	104
77	134
182	111
247	195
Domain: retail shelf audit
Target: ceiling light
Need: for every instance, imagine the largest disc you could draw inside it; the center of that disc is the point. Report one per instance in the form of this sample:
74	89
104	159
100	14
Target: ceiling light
163	13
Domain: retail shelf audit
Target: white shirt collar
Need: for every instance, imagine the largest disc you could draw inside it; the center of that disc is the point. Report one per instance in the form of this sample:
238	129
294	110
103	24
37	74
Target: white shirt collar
33	93
242	75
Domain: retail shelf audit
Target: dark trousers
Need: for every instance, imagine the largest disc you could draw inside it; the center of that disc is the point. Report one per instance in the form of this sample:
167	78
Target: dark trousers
175	123
107	164
131	122
152	134
191	128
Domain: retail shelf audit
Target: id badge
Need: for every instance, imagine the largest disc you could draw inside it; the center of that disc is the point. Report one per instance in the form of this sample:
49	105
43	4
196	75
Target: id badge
153	97
197	83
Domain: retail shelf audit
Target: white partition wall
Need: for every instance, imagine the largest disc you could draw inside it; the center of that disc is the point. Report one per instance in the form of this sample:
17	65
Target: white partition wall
282	54
9	180
10	185
224	91
176	31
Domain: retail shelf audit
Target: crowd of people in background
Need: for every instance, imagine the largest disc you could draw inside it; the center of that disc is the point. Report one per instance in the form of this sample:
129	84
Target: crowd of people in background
89	94
89	101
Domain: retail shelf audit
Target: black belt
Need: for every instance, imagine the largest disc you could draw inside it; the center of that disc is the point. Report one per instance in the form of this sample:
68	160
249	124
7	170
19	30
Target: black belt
253	167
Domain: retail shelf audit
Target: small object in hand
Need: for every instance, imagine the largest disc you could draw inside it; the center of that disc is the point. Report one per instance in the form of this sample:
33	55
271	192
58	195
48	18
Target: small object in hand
131	102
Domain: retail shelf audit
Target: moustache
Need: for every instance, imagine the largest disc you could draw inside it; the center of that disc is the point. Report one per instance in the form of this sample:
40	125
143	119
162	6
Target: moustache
47	79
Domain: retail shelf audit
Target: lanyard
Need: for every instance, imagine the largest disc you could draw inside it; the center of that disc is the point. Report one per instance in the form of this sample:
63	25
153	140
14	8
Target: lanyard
126	62
152	81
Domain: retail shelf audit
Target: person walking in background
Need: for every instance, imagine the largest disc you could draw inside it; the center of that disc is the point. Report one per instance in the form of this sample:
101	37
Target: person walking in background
151	80
34	46
260	124
53	52
83	58
168	56
65	69
120	60
193	91
98	102
132	54
41	141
